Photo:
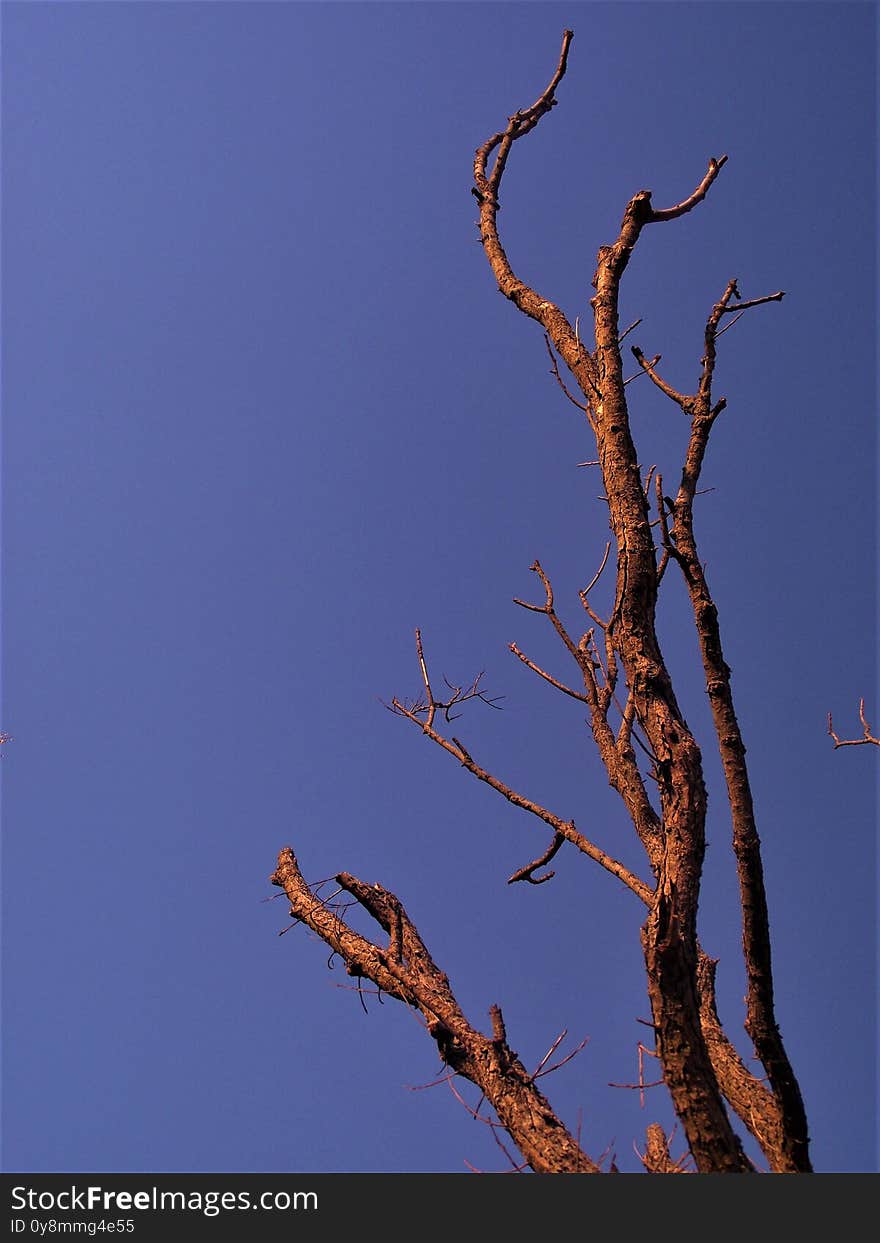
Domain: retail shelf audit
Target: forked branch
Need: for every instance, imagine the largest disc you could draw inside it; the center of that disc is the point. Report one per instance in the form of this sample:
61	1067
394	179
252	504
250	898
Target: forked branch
486	188
421	713
867	736
405	969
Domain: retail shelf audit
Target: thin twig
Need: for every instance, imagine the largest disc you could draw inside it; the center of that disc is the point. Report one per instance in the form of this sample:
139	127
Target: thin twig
527	873
559	380
594	580
670	213
424	669
557	1065
869	737
649	368
626	333
560	686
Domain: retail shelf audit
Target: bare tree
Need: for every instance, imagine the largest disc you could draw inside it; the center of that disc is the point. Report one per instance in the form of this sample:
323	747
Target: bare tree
649	753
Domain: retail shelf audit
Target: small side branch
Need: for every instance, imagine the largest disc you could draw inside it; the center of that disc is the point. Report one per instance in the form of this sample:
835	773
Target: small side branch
671	213
619	761
542	1067
686	403
739	307
723	307
542	673
867	737
603	625
419	714
559	380
548	608
594	580
628	330
427	704
528	872
666	542
429	695
486	188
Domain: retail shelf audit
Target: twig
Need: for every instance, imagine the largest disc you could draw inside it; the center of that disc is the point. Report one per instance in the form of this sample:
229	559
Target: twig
636	375
566	827
744	306
549	1070
559	380
547	607
594	580
527	873
626	333
641	1085
560	686
649	368
869	737
429	696
735	320
670	213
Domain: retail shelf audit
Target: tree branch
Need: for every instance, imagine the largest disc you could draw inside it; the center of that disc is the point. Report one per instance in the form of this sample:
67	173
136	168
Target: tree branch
760	1016
542	673
868	736
701	1069
671	213
486	189
528	872
650	369
410	974
759	1110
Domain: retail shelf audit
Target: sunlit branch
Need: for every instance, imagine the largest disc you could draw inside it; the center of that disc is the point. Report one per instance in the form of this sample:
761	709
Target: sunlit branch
419	713
560	686
406	970
528	872
670	213
868	735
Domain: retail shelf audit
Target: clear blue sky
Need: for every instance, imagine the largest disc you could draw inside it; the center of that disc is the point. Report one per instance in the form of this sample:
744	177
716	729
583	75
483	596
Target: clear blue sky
265	412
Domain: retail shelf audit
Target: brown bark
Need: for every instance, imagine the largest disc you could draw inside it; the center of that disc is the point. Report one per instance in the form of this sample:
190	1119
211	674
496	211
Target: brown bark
701	1068
791	1152
404	969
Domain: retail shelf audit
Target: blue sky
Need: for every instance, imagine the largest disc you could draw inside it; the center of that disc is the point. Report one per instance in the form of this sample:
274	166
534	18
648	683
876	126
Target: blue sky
265	412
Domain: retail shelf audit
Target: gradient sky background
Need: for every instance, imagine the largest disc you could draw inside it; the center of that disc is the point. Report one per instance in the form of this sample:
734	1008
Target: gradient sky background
265	412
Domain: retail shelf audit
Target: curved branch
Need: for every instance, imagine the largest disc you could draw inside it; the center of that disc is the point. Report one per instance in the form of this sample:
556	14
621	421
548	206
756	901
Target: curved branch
566	828
542	673
518	125
528	872
407	971
868	736
673	394
671	213
486	188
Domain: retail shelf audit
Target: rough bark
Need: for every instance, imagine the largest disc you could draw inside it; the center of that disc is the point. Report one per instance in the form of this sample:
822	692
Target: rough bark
404	969
701	1068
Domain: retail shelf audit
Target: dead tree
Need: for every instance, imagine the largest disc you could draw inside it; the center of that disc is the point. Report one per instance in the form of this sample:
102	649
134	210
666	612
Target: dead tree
622	679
